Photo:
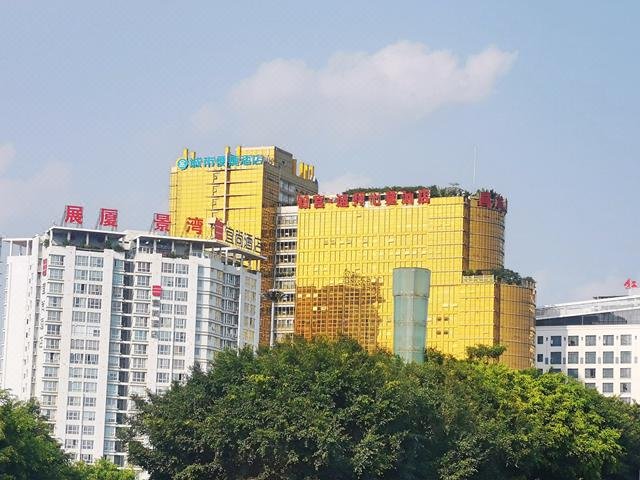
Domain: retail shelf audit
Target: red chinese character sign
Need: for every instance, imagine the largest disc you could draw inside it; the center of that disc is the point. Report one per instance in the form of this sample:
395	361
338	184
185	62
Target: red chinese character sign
156	290
73	214
194	224
108	218
44	267
218	229
161	222
629	284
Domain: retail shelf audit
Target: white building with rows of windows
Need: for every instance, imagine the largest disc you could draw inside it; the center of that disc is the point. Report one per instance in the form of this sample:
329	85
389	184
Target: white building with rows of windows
92	317
596	341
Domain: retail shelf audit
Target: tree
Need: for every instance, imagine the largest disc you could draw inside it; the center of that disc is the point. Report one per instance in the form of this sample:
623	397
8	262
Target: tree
27	449
330	410
103	470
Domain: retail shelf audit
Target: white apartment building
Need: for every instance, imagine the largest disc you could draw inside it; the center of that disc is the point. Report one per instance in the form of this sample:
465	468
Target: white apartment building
596	341
285	271
95	316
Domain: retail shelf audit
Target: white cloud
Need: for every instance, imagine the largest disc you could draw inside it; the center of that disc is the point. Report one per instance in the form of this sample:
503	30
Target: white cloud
344	182
354	94
24	205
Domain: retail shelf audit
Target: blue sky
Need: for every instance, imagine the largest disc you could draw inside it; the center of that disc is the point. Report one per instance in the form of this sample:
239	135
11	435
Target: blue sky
98	99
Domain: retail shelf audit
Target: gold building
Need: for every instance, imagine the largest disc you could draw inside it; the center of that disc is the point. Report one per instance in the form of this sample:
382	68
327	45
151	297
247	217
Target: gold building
241	191
348	246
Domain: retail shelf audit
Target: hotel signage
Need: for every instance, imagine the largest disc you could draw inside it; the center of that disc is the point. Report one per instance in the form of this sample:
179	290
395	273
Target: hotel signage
220	161
392	197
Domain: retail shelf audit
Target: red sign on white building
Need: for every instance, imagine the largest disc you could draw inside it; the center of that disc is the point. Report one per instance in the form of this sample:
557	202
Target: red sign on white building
108	218
161	222
156	290
44	267
629	284
73	214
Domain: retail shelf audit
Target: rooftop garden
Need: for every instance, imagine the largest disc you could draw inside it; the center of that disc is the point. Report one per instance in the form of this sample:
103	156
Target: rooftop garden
453	190
502	275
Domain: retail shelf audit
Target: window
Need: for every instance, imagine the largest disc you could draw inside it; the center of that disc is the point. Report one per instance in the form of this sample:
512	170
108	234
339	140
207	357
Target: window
178	350
92	345
625	357
72	429
166	295
52	343
78	317
182	269
74	401
142	281
178	364
167	281
76	357
51	357
82	261
118	279
162	377
93	317
87	444
139	321
96	262
79	302
573	340
89	401
95	275
141	308
556	341
139	349
55	287
625	340
54	316
589	357
144	267
556	358
625	387
607	373
89	416
50	372
94	303
75	386
164	363
625	373
164	336
607	357
164	349
180	323
91	358
55	302
180	309
138	377
607	388
88	430
91	373
590	340
140	335
180	337
139	363
181	296
49	386
73	415
95	290
607	340
56	260
167	268
71	443
572	372
53	329
90	387
589	373
142	294
55	274
590	385
182	282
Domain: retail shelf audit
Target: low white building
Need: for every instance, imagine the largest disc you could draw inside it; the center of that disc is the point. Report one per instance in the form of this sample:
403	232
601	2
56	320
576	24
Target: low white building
596	341
92	317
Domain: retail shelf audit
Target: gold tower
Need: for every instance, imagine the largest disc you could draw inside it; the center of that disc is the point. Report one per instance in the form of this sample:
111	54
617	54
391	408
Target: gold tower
348	246
243	191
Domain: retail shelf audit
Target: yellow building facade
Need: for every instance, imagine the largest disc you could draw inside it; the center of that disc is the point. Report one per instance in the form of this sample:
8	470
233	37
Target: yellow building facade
242	190
347	250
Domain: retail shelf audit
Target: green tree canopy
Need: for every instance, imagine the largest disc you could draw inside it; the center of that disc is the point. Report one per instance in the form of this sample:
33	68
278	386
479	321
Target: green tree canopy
330	410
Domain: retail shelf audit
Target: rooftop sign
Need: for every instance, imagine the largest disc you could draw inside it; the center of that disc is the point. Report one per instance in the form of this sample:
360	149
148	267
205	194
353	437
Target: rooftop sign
220	161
